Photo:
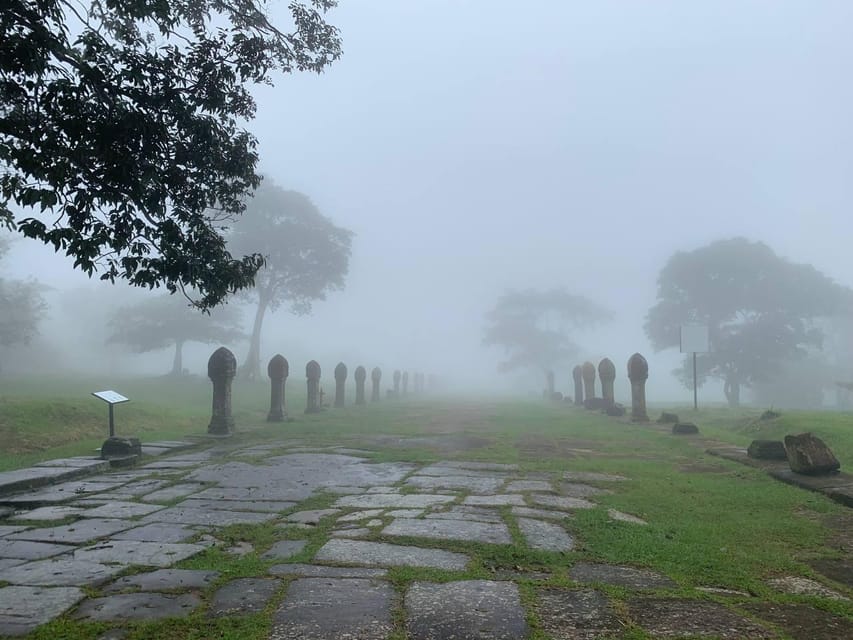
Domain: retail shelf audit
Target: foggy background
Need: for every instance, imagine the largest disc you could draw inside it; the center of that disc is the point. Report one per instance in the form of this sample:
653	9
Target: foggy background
476	146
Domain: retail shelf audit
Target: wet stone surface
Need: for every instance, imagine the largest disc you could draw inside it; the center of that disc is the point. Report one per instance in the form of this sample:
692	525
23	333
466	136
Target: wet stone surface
333	608
242	596
79	532
26	550
586	572
311	517
583	614
382	554
471	609
22	609
59	572
121	510
466	530
137	606
157	532
164	580
665	618
545	536
802	622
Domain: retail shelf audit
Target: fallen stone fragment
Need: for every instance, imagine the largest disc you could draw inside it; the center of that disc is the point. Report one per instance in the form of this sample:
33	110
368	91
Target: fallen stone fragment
767	450
808	454
685	428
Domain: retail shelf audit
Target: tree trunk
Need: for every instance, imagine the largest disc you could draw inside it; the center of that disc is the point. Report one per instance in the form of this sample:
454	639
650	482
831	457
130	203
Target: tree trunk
251	368
732	390
178	362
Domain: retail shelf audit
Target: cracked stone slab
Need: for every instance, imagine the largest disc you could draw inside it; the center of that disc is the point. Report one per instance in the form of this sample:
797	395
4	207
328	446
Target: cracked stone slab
121	510
497	500
258	506
164	580
157	532
64	492
137	606
47	514
620	516
541	514
215	518
579	490
22	609
475	484
284	549
466	530
583	614
27	550
6	530
242	596
59	572
5	563
562	502
672	618
545	536
360	515
154	554
804	587
167	494
310	517
589	476
523	486
382	554
333	608
587	572
319	571
22	479
393	501
75	533
461	512
470	609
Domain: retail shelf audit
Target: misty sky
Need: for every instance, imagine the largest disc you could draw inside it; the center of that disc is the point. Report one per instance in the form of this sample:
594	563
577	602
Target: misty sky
480	145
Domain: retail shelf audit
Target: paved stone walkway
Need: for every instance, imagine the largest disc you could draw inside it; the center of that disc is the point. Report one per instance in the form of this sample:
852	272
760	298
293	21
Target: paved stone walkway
96	533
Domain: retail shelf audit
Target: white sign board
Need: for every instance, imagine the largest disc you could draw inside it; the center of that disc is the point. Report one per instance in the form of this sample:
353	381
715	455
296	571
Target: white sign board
694	338
111	397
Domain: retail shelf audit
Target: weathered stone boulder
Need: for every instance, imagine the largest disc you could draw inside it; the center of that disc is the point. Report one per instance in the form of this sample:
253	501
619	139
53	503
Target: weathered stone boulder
117	446
809	455
684	428
767	450
594	403
616	410
667	418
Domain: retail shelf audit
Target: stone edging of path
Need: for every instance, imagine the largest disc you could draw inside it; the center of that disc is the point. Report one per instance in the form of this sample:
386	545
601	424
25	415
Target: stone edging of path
837	486
51	472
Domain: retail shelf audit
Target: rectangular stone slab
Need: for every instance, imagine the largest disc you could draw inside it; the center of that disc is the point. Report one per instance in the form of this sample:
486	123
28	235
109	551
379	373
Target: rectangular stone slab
121	509
465	530
562	502
468	483
26	550
167	494
75	533
164	580
381	554
470	609
217	518
65	492
59	572
320	571
462	512
138	606
90	465
22	609
49	513
34	477
393	501
577	614
126	552
334	608
157	532
258	506
545	536
495	501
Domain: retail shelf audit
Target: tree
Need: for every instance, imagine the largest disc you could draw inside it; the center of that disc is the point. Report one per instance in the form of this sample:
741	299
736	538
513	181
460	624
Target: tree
534	327
21	307
120	122
305	254
761	310
168	320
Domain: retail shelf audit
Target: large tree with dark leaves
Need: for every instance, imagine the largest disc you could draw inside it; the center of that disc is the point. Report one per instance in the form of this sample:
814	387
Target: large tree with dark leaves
761	310
306	256
121	128
535	328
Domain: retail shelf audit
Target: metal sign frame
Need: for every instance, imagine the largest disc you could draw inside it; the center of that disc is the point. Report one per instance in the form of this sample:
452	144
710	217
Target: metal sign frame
112	398
694	339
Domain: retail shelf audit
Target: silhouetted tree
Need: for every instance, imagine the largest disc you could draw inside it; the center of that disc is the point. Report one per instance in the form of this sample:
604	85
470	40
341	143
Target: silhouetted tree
761	310
21	307
121	123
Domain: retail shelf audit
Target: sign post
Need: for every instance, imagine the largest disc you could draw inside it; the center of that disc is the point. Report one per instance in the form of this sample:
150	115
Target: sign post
112	398
694	339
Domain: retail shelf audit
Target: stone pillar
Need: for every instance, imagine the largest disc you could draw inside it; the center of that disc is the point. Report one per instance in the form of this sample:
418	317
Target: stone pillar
340	384
588	372
405	382
549	375
607	375
638	373
277	369
360	375
221	369
397	377
577	375
312	372
375	379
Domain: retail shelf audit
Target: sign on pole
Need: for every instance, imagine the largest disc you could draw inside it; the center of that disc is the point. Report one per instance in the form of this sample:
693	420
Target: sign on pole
694	339
112	398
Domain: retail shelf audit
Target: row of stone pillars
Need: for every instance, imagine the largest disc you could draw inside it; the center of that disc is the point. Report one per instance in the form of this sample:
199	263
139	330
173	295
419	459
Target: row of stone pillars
584	379
222	367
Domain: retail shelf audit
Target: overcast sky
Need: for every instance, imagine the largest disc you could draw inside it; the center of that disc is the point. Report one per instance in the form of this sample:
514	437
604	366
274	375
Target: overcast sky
480	145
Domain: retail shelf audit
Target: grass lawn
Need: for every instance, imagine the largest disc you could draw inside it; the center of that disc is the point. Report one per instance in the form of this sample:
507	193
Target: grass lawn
712	522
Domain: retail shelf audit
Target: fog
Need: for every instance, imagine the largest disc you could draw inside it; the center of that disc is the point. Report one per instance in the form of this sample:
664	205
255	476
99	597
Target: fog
477	146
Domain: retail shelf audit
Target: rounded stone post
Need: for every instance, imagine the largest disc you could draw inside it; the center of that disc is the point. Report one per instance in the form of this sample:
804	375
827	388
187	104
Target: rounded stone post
221	369
549	376
397	376
340	384
360	375
577	375
607	375
312	372
277	369
638	373
405	382
588	371
375	379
